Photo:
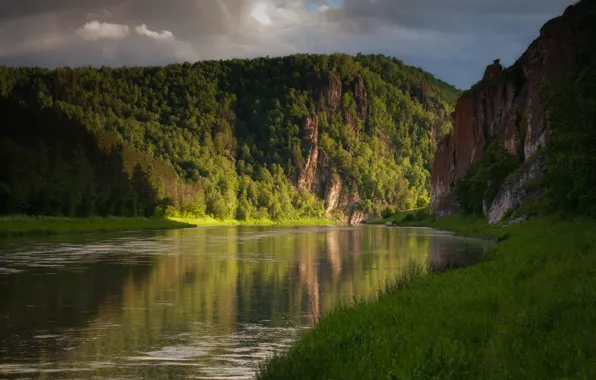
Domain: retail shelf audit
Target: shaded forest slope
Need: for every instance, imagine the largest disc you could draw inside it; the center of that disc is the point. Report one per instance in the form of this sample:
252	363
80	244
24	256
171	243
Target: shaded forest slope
291	137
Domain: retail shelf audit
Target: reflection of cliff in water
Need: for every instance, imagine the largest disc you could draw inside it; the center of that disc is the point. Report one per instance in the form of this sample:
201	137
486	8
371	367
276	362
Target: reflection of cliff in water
219	297
453	252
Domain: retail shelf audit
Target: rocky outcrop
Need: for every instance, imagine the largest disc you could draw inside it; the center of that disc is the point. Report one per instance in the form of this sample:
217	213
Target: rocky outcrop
507	105
333	193
326	89
357	215
311	142
361	98
515	190
316	175
340	196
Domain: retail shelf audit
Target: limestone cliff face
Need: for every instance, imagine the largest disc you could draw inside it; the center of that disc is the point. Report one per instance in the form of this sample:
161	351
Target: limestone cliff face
506	104
361	98
515	191
311	141
316	175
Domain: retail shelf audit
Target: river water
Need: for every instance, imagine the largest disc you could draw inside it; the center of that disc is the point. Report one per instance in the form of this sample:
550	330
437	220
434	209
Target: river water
206	303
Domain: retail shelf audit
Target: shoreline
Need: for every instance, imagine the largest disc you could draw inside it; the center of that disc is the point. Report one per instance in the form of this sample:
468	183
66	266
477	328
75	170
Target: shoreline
536	286
19	226
211	222
462	225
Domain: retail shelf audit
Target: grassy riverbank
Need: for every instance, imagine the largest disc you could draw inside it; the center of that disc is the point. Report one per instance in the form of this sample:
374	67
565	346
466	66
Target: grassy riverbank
527	311
464	225
206	222
43	225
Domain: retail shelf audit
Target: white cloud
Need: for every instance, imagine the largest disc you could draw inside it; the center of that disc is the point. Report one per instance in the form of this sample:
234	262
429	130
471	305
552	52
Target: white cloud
261	13
143	30
455	39
96	30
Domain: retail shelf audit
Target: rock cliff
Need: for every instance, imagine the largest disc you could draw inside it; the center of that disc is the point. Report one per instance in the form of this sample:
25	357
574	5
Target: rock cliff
516	190
316	175
506	104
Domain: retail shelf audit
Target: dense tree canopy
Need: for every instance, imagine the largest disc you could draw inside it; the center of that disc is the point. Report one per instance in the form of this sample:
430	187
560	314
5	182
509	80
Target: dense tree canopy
225	138
571	176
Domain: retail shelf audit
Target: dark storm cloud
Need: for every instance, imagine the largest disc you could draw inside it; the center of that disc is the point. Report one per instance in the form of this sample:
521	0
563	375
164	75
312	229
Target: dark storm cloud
454	39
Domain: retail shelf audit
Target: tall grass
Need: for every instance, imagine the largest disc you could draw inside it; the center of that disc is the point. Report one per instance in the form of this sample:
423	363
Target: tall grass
17	225
526	312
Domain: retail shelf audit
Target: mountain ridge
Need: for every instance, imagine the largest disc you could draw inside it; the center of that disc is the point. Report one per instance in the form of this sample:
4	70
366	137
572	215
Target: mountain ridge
307	135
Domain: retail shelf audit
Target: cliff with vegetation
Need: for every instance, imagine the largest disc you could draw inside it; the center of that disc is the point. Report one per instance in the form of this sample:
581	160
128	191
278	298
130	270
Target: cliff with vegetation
491	161
523	136
300	136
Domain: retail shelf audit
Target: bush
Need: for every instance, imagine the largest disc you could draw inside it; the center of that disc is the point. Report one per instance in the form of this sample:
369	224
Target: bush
388	212
262	214
484	178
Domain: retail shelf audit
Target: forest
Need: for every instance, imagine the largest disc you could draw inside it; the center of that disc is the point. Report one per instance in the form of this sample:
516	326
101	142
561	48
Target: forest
289	137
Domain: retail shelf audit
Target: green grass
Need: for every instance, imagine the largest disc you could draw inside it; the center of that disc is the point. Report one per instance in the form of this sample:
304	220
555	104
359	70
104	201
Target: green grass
464	225
526	312
42	225
208	221
18	225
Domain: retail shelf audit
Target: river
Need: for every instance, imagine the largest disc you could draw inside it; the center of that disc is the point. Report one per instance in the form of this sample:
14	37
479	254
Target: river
205	303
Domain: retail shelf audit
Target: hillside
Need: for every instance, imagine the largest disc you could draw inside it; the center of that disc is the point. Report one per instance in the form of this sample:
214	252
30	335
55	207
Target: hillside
298	136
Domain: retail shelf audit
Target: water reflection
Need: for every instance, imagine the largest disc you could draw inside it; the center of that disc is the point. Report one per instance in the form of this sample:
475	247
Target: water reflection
203	303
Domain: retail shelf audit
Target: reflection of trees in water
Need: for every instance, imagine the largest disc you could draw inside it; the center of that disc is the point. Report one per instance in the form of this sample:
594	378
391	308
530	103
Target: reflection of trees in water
210	280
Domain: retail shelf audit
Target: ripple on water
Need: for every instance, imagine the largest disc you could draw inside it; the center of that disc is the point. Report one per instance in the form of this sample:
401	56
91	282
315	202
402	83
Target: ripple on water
169	334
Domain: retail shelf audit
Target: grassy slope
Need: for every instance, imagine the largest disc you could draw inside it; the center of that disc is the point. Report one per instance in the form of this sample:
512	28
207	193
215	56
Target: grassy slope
38	225
528	311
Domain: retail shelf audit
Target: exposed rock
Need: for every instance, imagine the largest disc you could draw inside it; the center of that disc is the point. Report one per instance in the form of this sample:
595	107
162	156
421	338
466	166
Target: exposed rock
311	140
361	98
442	200
357	215
506	104
326	89
515	221
514	192
333	193
493	71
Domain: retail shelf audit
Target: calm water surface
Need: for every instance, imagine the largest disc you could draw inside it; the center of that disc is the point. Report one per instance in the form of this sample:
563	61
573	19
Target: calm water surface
208	303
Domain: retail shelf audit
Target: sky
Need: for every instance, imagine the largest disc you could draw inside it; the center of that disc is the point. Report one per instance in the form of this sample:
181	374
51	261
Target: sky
452	39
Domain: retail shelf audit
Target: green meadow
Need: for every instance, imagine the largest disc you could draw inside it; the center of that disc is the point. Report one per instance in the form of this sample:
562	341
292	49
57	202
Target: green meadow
527	311
45	225
20	225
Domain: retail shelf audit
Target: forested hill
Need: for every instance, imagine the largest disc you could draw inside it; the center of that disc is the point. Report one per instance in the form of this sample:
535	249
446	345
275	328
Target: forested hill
291	137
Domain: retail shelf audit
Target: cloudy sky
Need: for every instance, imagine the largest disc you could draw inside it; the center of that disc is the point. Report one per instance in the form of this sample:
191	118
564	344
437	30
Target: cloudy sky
453	39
